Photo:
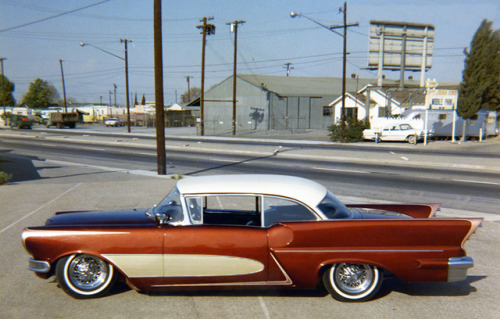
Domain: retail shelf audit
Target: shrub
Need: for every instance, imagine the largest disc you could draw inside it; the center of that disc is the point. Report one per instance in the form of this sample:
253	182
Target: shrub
5	178
353	131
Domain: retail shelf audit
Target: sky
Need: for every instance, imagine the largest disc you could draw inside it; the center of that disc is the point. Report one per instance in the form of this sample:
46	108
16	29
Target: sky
35	35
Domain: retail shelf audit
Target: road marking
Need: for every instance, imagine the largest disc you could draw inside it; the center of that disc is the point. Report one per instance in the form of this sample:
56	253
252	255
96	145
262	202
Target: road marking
92	149
226	161
39	208
476	182
340	170
264	308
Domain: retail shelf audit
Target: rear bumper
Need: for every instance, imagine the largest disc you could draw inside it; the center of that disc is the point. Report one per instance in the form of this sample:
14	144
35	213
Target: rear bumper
38	266
457	268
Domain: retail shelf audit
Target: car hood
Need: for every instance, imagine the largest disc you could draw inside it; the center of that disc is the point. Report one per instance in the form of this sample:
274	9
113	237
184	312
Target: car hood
134	217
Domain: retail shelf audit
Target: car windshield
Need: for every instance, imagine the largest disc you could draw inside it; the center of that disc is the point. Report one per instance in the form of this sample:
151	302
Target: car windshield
332	208
170	205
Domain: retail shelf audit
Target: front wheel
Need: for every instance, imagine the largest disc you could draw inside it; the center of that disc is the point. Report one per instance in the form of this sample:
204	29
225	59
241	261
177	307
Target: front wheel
84	276
412	139
353	282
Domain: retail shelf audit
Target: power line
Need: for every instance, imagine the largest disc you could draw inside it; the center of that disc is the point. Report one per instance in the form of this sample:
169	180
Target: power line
54	16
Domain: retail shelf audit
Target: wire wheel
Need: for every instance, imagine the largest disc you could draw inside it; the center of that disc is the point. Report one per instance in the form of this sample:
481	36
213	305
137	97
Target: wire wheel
353	282
84	276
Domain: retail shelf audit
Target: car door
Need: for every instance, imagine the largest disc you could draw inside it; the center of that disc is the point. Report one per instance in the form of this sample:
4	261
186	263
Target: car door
216	250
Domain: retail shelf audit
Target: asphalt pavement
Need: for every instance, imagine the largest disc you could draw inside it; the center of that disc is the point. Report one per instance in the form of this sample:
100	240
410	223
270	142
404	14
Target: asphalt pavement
47	186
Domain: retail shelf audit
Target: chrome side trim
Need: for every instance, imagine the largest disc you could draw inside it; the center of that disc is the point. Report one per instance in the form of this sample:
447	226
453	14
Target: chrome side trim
457	268
358	251
38	265
286	282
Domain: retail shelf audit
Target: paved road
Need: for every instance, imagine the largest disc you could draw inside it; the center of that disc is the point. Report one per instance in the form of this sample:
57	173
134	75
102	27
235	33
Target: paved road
62	186
403	172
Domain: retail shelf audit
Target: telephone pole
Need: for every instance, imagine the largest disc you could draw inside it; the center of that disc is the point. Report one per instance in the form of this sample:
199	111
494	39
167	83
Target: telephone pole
288	67
345	26
189	87
332	28
125	41
234	27
114	89
160	111
63	86
206	29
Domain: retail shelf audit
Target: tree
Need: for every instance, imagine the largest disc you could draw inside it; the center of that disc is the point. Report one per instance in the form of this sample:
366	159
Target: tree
135	99
40	94
143	100
193	93
480	85
492	94
6	93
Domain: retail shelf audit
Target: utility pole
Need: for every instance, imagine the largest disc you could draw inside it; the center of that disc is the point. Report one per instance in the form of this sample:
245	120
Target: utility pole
345	26
189	88
63	86
125	41
160	111
234	27
114	88
332	28
206	29
3	89
288	67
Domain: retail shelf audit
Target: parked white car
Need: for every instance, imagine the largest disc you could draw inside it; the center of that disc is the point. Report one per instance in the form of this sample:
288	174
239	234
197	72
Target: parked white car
395	132
114	121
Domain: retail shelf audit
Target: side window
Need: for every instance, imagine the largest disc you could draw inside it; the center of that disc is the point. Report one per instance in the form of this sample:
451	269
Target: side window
195	205
284	210
171	206
243	210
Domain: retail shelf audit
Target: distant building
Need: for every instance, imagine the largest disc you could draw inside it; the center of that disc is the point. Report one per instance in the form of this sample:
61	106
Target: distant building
267	102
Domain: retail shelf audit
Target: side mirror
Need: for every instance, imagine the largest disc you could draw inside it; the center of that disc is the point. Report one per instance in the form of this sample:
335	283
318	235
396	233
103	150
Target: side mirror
162	219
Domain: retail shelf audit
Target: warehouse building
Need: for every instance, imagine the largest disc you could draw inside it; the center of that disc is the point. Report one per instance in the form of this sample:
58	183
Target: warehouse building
266	102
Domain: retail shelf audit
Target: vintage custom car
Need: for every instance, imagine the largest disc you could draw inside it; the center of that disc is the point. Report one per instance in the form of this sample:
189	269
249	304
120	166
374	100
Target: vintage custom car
250	231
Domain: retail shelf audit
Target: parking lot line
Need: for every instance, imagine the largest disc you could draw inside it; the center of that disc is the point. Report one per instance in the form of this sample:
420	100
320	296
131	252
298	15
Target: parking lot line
39	208
263	307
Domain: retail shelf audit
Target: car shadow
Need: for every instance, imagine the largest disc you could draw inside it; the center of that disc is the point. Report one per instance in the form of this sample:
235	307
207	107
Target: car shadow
437	289
20	167
228	292
390	285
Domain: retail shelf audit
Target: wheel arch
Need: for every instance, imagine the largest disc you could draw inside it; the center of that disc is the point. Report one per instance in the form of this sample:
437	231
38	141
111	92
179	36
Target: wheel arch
118	271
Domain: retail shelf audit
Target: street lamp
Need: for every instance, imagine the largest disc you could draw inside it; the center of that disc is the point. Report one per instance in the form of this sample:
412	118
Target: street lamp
332	28
126	72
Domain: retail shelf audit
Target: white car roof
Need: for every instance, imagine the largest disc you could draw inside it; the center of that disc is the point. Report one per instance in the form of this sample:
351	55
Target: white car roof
301	189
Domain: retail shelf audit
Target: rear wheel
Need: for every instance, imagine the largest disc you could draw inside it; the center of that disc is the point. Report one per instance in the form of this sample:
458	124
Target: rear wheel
412	139
84	276
353	282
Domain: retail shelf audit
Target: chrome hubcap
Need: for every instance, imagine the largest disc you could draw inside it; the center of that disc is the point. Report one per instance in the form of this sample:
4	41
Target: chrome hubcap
87	272
353	278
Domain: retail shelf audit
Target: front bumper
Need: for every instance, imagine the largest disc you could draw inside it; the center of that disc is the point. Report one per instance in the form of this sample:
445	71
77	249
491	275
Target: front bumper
38	266
457	268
